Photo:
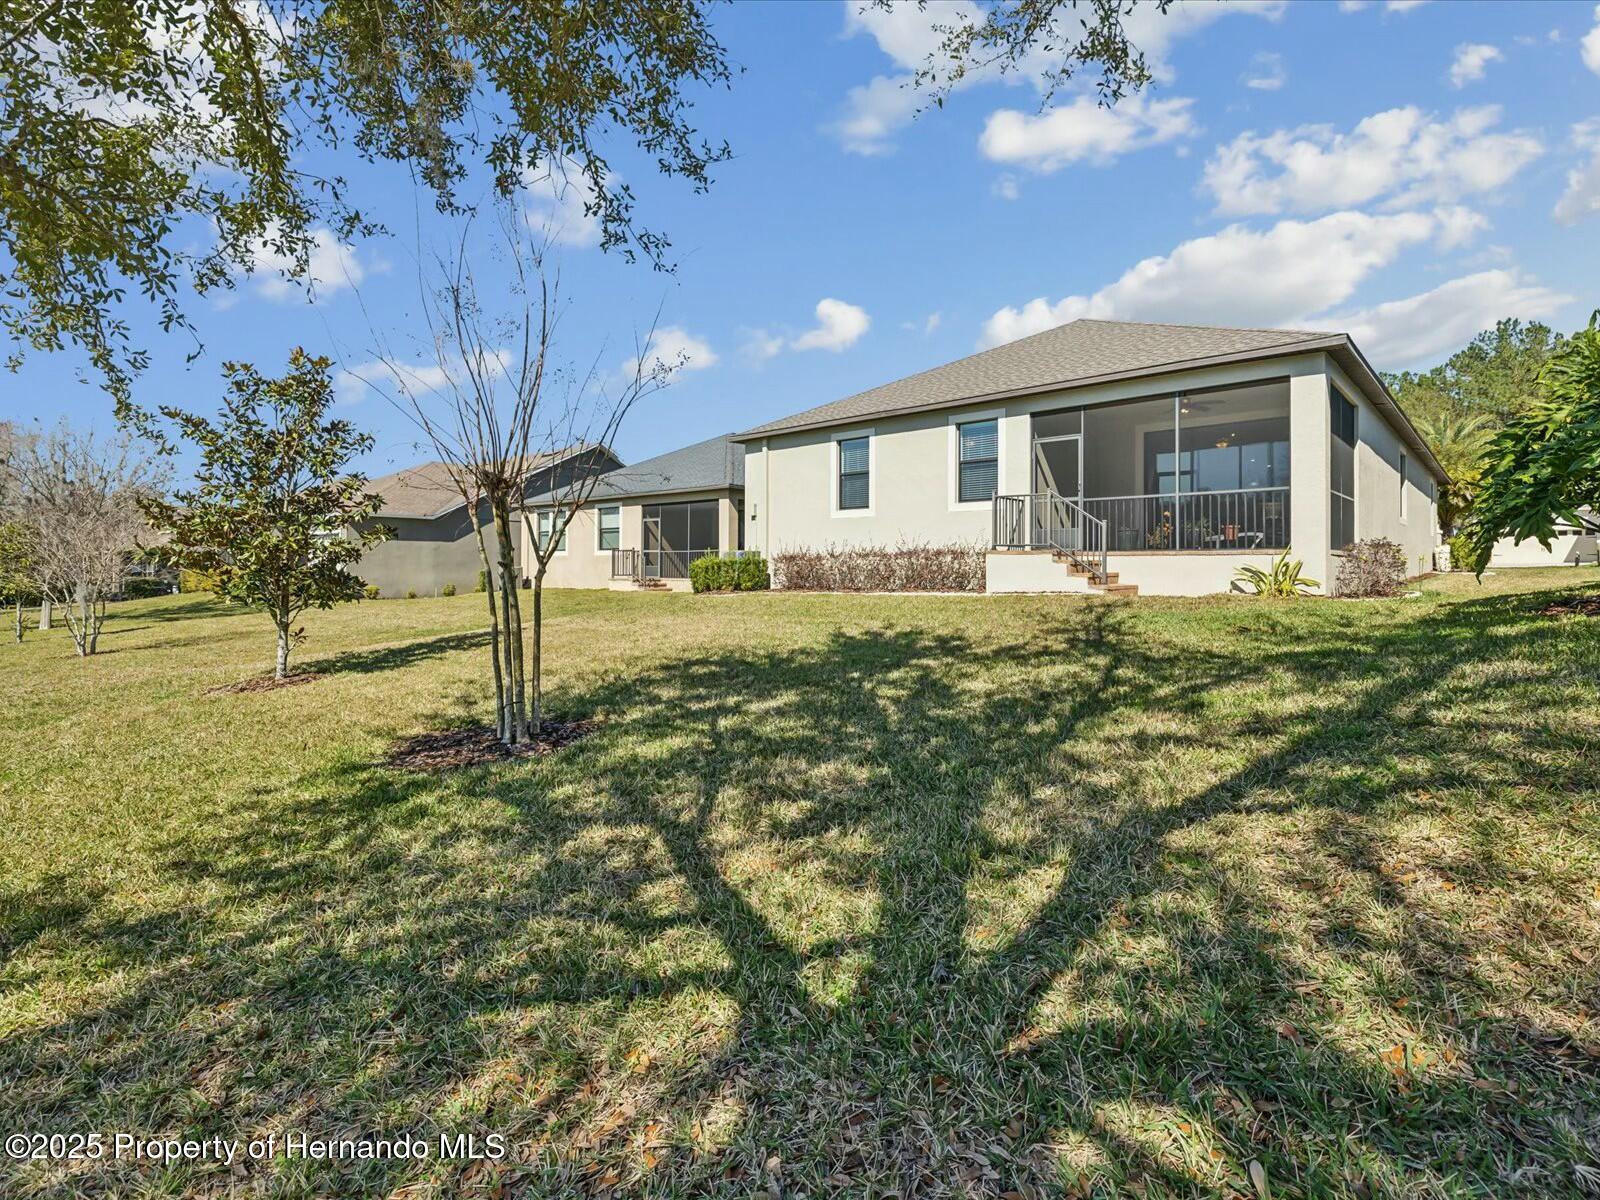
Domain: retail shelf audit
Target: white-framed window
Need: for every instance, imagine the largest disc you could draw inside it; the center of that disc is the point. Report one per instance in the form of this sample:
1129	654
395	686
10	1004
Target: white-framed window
608	528
1341	471
1404	506
852	484
546	524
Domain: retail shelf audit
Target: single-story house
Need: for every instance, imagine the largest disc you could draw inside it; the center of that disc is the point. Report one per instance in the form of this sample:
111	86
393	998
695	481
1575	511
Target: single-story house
642	525
1110	453
433	543
1572	546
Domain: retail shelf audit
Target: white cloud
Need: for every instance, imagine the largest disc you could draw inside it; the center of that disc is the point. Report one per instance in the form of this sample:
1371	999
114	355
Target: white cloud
560	204
1240	276
908	33
1470	61
1400	156
1403	333
673	349
333	266
1582	196
1266	73
1590	46
759	345
402	379
925	326
1401	6
1006	187
1083	131
839	326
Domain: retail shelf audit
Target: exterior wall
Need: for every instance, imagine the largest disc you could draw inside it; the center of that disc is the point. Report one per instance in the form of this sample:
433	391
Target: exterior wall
1028	571
1566	550
791	479
1413	525
1178	574
425	555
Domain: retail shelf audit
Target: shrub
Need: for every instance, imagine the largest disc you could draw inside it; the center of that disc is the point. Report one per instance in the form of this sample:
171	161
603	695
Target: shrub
904	568
448	589
1460	552
483	580
1373	567
411	593
371	591
190	580
1283	578
141	587
729	574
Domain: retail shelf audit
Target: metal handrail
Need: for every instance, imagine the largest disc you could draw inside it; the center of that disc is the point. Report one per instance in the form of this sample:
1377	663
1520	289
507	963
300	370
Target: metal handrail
1050	521
625	564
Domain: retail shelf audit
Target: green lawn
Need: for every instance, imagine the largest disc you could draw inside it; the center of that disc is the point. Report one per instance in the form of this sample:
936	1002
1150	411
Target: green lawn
849	896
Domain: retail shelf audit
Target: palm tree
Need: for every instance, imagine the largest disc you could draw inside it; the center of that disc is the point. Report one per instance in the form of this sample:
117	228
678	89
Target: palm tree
1459	441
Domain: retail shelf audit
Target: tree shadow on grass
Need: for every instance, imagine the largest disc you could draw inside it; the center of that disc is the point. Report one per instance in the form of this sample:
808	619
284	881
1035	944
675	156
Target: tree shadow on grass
399	655
1100	911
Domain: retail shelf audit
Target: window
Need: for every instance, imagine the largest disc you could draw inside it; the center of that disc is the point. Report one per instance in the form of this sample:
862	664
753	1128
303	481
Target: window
1403	504
1341	471
546	524
609	525
855	485
979	460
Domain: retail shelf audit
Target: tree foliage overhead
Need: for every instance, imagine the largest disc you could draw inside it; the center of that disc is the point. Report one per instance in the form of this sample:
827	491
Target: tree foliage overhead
128	125
1545	464
1050	40
266	520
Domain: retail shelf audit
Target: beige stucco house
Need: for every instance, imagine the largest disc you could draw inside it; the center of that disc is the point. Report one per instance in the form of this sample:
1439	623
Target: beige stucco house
1573	545
433	543
644	524
1107	454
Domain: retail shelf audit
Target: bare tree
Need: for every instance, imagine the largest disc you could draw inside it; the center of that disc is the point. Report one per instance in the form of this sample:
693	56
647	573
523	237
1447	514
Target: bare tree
503	410
77	497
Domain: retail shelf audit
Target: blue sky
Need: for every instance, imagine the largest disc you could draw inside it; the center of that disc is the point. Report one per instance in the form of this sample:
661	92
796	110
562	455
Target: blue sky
1406	171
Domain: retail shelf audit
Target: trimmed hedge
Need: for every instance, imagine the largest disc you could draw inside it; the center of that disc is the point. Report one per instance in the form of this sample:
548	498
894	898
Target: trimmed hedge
905	568
713	574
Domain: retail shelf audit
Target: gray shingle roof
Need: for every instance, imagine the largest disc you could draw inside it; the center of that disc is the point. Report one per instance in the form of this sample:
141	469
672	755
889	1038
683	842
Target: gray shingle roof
428	490
1074	353
713	464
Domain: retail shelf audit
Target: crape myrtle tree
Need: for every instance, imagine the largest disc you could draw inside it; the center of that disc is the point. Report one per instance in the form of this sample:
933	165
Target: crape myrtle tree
77	498
500	409
275	518
1544	465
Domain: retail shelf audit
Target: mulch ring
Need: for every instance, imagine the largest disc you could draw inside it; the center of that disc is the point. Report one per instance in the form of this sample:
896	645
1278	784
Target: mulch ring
1581	606
454	749
264	683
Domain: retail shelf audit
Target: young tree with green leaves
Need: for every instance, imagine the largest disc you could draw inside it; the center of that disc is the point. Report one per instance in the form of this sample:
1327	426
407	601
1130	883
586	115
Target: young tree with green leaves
272	517
137	131
1545	464
16	569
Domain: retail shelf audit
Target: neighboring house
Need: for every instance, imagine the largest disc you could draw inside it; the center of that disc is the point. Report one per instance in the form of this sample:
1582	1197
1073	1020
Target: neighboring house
434	543
644	524
1101	453
1572	546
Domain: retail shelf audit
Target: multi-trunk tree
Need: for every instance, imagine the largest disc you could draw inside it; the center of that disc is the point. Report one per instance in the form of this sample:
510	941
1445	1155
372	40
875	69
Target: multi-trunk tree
272	519
507	415
77	499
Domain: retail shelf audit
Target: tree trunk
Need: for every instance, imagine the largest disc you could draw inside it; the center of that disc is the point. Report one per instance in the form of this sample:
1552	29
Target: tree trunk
494	625
44	614
536	718
513	609
281	670
85	646
19	619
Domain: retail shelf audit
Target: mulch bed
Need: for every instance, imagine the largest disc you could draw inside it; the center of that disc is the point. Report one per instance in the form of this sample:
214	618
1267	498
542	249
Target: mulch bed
1583	606
454	749
264	683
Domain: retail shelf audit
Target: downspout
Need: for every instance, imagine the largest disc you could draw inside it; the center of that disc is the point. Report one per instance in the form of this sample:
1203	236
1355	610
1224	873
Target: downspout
766	498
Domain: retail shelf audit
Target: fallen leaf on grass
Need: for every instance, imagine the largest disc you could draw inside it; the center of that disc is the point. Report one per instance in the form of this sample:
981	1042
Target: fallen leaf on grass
1258	1179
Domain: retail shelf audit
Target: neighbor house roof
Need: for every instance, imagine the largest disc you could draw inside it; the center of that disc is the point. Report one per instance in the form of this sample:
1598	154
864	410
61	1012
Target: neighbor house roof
1085	352
712	465
428	490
